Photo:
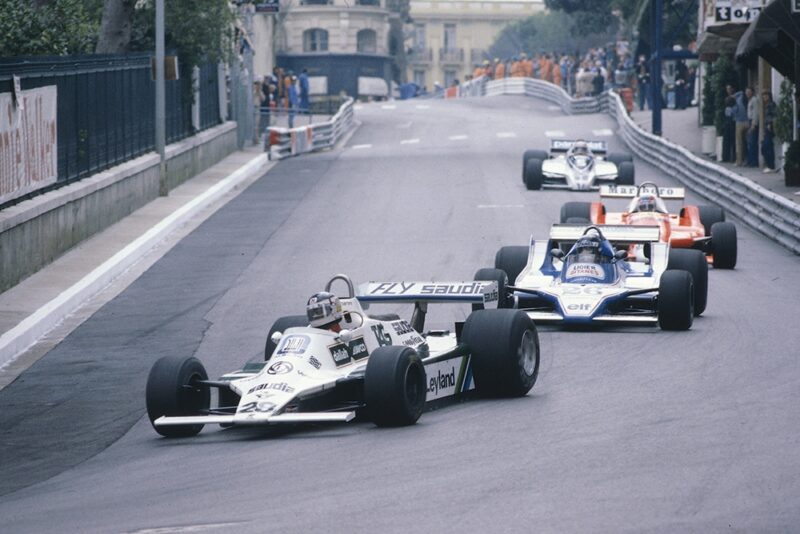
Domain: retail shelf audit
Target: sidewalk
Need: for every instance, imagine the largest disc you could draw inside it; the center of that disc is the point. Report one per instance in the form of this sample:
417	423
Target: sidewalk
54	300
681	127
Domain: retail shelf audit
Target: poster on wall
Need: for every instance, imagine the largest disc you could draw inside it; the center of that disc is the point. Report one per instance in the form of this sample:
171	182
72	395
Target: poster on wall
28	149
736	10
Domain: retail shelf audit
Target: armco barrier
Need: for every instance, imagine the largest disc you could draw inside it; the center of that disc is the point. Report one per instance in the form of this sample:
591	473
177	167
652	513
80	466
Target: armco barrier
772	215
285	142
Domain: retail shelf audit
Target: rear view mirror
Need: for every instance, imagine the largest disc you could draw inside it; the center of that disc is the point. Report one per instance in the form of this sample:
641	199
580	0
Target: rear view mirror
276	337
557	253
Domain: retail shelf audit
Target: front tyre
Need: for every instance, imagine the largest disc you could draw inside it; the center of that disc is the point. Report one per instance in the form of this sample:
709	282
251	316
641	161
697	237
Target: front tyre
531	154
504	345
495	275
511	260
394	386
693	261
626	173
723	244
533	174
675	309
280	325
174	389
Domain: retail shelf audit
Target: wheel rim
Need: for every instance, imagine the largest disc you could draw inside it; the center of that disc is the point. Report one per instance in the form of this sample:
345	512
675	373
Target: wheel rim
527	352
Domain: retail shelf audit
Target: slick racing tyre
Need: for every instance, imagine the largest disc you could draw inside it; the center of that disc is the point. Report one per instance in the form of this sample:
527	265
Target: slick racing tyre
173	389
533	174
710	215
576	210
675	310
695	263
281	325
395	386
723	245
504	300
511	260
626	173
531	154
504	345
618	157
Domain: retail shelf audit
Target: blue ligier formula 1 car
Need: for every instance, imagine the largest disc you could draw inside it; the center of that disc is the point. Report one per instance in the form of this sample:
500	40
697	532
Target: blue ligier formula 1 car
578	277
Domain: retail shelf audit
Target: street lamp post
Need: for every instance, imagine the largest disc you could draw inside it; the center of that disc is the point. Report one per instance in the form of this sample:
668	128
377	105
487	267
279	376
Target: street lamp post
160	126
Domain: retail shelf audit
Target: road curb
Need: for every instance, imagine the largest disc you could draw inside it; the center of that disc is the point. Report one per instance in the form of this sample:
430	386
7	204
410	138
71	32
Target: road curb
17	340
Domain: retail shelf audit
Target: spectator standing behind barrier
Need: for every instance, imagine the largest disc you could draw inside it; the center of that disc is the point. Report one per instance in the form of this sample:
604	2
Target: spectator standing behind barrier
742	125
499	69
643	83
752	133
291	92
729	130
768	144
305	102
681	75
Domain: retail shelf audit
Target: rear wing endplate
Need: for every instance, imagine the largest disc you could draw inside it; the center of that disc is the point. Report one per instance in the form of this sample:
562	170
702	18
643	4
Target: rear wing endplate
618	234
476	292
631	191
563	145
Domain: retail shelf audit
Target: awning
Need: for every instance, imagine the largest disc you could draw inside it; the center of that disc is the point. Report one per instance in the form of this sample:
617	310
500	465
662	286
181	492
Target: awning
773	35
720	39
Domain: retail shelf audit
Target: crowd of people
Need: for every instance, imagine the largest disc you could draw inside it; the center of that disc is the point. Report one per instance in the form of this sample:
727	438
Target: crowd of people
281	92
743	128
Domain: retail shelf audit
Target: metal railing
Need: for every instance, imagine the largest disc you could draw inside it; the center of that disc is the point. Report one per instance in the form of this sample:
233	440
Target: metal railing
285	142
420	55
451	55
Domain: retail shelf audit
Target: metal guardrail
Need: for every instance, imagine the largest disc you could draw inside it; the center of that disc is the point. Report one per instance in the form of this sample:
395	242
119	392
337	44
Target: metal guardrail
285	142
770	214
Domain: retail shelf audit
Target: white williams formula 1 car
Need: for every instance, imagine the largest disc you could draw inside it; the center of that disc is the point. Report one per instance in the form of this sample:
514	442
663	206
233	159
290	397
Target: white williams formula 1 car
380	366
577	165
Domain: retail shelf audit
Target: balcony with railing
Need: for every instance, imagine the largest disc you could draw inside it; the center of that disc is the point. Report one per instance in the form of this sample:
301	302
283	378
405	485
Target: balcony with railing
419	55
477	55
451	55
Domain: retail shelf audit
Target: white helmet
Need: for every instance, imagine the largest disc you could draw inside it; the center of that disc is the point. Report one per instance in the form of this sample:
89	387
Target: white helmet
323	309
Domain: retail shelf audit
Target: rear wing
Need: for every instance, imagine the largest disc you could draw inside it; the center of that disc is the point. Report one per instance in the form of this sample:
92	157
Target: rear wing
631	191
618	234
475	292
562	145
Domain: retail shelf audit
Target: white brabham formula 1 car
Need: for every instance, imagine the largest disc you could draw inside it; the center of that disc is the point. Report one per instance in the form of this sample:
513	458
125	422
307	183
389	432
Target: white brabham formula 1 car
594	283
577	165
381	366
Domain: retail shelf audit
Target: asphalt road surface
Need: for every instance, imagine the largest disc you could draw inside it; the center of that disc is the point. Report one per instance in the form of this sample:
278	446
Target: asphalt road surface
628	429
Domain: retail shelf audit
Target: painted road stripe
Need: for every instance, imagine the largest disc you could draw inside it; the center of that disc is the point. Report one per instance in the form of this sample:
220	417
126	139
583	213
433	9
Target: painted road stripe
603	132
501	206
409	141
555	133
358	106
457	137
405	125
358	147
388	106
423	106
506	135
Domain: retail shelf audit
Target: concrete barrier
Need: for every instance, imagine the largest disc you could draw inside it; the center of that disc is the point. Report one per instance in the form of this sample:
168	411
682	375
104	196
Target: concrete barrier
35	232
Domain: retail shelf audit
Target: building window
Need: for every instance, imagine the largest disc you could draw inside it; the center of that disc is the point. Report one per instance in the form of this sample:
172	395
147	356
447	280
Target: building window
449	78
449	36
419	78
367	42
419	37
315	40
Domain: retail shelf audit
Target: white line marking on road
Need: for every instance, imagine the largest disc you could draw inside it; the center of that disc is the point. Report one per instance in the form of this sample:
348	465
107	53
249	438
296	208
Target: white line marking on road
409	141
555	133
506	135
405	125
554	108
388	106
358	147
603	132
494	206
423	106
358	106
457	137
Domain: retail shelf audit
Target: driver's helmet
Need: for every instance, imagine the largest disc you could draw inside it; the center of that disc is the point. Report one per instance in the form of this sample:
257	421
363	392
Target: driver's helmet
323	309
646	203
580	148
587	249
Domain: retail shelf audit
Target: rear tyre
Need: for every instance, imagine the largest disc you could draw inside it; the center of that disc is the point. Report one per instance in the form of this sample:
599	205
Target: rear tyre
504	345
618	157
709	216
695	263
626	173
281	325
495	275
173	390
531	154
723	244
394	386
580	210
511	260
675	301
533	174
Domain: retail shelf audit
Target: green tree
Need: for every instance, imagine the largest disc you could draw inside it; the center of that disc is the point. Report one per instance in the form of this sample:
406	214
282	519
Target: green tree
724	74
783	116
40	28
